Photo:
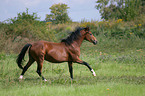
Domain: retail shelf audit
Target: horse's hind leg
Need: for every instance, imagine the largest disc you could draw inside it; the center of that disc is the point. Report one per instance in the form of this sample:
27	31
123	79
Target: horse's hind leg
39	69
31	60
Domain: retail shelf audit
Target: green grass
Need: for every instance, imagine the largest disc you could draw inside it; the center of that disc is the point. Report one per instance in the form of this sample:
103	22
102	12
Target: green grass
119	65
98	89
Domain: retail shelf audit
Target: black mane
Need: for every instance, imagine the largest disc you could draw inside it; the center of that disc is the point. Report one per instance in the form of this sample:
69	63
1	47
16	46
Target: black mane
72	37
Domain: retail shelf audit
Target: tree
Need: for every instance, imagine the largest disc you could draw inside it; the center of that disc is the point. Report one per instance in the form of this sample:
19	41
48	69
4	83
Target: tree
120	9
58	14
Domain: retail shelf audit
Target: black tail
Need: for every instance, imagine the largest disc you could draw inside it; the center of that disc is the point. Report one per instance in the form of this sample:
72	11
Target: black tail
20	57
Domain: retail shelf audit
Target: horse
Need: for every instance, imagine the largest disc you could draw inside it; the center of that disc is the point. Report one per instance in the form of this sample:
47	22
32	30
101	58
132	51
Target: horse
68	50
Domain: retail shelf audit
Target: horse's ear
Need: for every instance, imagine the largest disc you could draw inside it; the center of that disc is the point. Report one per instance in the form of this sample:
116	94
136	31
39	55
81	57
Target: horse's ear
87	29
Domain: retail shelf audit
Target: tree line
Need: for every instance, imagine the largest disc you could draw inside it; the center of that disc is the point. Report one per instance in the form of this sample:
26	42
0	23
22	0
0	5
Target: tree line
126	10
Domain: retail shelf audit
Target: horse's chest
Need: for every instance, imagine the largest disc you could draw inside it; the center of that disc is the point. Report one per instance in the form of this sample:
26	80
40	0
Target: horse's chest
74	53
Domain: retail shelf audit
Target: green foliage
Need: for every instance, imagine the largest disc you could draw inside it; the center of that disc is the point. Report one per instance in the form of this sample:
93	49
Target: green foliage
15	35
21	33
24	16
116	28
120	9
27	26
58	14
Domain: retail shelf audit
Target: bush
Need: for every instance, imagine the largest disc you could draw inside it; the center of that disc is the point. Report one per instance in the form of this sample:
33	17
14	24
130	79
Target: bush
24	16
116	28
27	28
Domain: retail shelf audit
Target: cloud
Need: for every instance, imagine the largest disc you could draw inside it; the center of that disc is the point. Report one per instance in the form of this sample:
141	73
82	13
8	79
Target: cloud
25	3
30	3
73	2
80	1
59	1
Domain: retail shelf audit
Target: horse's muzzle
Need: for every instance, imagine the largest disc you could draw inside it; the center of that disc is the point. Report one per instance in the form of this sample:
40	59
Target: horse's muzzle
95	42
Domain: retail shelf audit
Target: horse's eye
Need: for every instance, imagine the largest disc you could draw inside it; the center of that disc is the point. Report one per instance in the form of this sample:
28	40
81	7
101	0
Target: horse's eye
90	33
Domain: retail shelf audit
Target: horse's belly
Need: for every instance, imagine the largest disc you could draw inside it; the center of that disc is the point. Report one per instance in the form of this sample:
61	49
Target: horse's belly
56	57
53	60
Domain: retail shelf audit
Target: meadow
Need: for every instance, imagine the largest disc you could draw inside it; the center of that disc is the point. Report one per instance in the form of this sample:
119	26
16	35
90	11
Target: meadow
118	59
119	64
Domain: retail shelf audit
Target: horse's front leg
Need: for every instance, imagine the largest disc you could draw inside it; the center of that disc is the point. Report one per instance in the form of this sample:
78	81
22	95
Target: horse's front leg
86	64
70	69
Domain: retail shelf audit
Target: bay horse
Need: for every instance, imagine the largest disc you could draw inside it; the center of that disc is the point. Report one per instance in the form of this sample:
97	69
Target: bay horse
68	50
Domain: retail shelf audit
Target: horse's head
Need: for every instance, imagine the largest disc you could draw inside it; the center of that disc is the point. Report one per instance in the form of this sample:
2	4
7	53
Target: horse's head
89	36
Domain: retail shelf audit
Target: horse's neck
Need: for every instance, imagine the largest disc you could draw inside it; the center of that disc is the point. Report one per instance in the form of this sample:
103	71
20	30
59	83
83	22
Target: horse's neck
78	42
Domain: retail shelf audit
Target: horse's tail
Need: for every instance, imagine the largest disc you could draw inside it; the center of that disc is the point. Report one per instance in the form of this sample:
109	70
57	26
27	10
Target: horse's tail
20	57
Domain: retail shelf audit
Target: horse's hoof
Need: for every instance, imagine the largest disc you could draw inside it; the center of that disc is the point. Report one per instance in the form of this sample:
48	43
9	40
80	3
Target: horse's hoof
21	77
94	74
45	80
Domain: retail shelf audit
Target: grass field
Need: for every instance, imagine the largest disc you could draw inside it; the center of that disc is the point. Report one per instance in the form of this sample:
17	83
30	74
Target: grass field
119	65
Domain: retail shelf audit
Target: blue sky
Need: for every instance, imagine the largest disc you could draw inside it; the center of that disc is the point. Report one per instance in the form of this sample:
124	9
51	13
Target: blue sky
79	9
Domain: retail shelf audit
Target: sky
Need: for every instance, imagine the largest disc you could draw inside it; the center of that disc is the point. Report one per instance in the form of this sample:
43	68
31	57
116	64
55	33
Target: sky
79	9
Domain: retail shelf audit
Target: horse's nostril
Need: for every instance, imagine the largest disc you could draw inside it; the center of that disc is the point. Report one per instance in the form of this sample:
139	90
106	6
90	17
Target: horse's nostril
94	42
